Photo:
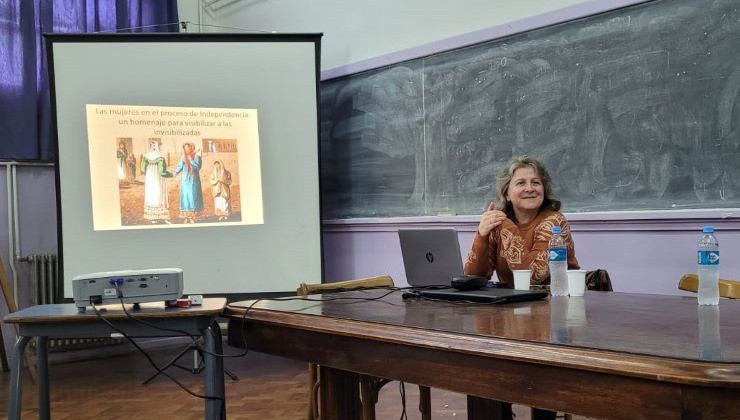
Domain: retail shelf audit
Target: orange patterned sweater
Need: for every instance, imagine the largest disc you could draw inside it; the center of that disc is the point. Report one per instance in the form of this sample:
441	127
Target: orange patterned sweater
512	246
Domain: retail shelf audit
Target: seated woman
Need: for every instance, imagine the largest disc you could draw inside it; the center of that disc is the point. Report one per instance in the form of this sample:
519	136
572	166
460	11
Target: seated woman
514	234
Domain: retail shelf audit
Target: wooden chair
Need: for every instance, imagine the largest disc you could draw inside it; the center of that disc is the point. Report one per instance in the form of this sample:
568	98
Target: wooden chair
727	288
598	280
10	302
369	385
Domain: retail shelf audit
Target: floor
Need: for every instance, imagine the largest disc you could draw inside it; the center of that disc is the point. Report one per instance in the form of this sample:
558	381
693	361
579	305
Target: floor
268	388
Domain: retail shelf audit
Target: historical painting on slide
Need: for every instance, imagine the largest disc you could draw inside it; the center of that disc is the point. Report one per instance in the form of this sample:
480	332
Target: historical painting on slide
170	181
173	167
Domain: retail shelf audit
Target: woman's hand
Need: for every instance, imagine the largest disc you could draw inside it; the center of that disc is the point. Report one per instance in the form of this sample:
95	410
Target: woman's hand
490	219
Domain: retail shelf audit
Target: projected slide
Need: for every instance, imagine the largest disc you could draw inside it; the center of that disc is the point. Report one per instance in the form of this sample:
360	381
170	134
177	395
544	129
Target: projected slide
173	167
194	151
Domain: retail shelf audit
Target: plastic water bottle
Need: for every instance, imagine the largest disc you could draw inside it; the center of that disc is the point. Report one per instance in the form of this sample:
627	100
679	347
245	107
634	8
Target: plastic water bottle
557	257
710	340
708	268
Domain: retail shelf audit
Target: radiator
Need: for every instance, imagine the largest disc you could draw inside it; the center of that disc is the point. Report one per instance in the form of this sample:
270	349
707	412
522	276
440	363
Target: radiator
45	283
46	287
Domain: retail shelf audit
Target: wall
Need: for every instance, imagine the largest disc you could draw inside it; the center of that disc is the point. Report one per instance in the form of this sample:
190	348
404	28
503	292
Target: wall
37	224
358	31
641	256
37	227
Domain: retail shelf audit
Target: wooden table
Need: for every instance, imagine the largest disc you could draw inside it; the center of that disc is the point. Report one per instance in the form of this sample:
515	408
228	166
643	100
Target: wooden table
64	321
607	355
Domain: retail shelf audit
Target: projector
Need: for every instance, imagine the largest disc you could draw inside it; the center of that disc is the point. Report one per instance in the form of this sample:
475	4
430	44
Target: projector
129	286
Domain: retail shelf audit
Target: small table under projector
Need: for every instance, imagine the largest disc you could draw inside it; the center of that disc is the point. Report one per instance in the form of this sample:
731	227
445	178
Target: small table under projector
64	321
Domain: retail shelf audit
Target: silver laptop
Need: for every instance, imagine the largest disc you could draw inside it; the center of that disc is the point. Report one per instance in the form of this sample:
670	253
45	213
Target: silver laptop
431	257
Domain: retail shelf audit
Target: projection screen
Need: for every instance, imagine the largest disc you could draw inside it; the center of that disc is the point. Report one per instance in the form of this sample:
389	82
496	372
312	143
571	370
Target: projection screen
194	151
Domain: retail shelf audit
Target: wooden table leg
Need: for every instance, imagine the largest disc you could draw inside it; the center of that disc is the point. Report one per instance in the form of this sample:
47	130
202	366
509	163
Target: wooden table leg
485	409
368	396
425	402
369	390
313	406
339	394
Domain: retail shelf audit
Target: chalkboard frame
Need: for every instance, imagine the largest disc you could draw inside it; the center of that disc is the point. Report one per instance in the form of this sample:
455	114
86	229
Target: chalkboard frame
555	17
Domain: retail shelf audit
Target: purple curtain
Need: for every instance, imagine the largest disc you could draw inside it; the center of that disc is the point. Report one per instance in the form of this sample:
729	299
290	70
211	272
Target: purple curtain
25	110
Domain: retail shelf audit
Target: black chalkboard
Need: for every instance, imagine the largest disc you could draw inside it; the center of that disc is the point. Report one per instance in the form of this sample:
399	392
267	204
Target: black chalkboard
636	108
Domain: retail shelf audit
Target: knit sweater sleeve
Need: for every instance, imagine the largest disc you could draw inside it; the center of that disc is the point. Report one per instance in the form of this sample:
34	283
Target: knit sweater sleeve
481	259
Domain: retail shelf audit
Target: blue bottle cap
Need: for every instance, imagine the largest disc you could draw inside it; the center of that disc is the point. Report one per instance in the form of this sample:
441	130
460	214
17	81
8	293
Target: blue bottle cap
557	230
708	229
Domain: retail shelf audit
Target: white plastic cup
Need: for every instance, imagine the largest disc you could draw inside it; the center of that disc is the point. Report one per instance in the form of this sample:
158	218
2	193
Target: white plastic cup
522	279
576	282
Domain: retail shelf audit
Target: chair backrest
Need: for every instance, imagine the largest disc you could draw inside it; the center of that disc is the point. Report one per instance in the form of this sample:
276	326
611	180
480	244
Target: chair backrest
380	281
9	298
598	280
727	288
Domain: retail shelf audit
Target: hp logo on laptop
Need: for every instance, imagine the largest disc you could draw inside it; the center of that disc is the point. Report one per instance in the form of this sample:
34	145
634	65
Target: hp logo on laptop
430	257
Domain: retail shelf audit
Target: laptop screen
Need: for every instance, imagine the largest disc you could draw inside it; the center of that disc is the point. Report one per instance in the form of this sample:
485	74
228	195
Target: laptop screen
431	257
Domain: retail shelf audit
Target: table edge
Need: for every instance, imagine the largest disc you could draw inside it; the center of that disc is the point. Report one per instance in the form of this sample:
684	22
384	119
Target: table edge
90	316
664	369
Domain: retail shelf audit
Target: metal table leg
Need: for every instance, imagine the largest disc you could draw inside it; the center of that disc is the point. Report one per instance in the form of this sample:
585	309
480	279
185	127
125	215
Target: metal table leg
214	374
42	366
220	370
16	379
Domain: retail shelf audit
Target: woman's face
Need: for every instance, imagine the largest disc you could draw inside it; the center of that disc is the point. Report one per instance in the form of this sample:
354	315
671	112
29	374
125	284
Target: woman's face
526	191
187	148
154	146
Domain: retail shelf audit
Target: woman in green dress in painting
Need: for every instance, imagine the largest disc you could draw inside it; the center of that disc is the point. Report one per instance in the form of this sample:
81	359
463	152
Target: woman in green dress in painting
154	169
